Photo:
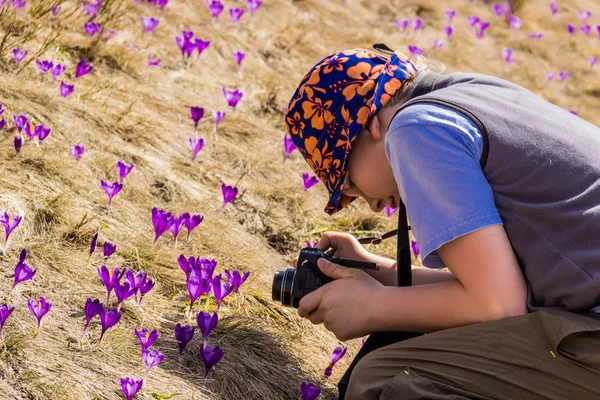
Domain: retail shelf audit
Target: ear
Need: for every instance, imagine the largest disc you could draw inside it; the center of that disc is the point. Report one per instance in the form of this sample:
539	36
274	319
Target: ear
375	129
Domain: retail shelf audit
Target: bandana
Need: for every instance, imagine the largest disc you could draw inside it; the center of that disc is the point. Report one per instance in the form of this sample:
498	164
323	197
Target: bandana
335	100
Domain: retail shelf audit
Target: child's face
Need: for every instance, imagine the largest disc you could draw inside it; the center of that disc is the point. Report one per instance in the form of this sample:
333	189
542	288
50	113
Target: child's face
369	173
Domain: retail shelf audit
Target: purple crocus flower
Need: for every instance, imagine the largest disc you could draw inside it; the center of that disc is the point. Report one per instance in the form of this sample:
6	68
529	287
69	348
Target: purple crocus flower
196	287
185	44
77	151
235	14
18	142
236	279
23	273
23	255
55	11
514	21
91	8
448	30
4	314
162	221
91	28
571	28
110	279
206	323
216	8
416	24
196	113
146	337
220	289
415	50
308	244
308	391
111	190
30	131
390	211
18	4
178	225
473	20
585	15
123	170
238	56
201	45
415	248
183	334
598	30
538	35
43	66
145	287
337	354
109	34
150	23
573	112
92	308
39	308
9	226
507	55
501	8
153	60
185	265
483	26
151	358
66	89
123	291
41	132
135	281
196	144
586	29
232	97
191	223
403	24
2	123
593	61
450	14
57	71
109	249
288	146
108	320
554	7
210	357
218	116
83	68
229	193
253	5
93	244
19	54
550	75
131	387
309	181
563	75
438	44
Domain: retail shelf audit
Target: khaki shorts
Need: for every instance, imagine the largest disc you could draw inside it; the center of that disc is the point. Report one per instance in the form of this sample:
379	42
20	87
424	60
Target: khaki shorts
546	354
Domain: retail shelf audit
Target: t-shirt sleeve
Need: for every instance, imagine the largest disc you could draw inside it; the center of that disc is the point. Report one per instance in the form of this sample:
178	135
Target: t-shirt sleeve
434	152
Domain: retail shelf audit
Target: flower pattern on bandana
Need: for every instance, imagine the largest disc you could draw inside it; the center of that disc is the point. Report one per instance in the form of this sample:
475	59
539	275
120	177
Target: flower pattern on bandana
334	101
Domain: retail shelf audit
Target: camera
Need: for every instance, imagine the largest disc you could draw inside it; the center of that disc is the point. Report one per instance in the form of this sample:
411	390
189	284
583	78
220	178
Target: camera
290	285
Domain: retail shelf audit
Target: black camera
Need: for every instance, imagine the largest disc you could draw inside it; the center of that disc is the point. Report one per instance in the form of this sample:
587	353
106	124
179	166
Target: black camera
290	285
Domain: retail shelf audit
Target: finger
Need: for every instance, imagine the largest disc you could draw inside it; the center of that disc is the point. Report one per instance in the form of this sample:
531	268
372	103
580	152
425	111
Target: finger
295	262
310	302
333	270
330	239
315	317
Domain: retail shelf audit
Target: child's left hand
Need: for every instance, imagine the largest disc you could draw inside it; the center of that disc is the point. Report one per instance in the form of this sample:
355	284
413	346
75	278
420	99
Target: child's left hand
346	306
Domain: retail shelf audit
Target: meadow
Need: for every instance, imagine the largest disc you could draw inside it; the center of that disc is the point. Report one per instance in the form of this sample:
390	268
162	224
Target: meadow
144	157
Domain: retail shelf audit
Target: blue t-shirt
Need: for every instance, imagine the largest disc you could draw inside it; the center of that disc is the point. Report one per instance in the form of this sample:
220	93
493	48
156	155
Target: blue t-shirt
434	152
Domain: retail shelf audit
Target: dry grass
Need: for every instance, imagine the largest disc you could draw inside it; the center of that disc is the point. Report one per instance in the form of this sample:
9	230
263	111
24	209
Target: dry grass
126	111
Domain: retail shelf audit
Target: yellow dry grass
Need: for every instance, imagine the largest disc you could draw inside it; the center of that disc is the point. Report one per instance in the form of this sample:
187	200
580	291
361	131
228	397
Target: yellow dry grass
125	110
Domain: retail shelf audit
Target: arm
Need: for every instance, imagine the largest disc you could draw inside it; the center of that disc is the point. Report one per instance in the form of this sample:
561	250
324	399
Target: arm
387	274
488	285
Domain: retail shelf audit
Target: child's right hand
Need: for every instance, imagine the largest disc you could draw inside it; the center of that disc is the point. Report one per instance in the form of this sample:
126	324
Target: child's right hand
345	245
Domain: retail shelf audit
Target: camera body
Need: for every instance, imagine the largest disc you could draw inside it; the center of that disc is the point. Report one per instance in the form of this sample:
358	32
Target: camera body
291	285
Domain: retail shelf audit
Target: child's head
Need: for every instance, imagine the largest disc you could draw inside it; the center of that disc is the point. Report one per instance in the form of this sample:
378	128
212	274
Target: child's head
338	118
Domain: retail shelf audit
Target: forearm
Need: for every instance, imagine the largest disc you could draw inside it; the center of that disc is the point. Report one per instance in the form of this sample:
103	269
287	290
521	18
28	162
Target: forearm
388	276
429	308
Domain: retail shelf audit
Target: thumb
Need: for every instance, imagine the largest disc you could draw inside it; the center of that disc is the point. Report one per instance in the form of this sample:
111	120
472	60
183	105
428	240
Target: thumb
333	270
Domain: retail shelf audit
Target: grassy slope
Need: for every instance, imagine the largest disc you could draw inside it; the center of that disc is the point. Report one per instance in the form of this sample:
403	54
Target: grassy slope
125	110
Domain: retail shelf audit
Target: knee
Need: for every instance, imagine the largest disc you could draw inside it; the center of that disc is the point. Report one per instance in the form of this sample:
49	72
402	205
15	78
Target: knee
366	381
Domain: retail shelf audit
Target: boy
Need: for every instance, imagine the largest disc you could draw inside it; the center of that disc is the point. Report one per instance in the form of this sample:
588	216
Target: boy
500	187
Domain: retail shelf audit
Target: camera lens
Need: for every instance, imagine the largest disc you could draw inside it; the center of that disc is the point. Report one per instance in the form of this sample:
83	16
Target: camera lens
283	282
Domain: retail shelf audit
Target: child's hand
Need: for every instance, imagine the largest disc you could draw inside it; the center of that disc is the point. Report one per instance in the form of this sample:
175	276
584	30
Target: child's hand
345	245
345	306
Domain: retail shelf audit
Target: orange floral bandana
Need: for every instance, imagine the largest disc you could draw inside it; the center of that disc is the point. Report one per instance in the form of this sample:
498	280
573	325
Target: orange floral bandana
334	101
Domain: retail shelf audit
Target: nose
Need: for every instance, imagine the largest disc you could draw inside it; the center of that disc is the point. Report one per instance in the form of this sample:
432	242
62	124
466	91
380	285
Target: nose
375	204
